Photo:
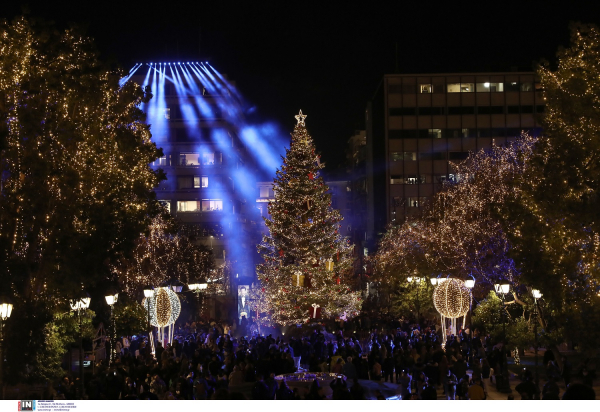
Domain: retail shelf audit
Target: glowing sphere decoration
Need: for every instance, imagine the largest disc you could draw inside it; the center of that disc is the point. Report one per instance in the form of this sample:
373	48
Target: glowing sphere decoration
165	307
452	299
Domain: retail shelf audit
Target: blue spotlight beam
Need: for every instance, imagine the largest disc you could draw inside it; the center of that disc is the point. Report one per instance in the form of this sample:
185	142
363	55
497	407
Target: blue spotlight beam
264	142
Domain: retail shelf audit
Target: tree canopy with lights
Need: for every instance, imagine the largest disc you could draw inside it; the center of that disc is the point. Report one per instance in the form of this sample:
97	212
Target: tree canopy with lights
306	262
459	234
76	186
163	255
554	224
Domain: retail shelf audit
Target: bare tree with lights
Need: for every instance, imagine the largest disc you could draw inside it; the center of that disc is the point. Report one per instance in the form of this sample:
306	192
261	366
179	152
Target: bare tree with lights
163	255
307	263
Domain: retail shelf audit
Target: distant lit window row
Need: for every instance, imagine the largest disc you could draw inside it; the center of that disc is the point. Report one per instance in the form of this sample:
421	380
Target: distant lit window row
425	178
463	87
458	133
460	110
192	159
204	205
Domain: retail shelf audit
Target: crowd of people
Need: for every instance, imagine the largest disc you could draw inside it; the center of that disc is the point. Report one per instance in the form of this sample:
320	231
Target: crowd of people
205	361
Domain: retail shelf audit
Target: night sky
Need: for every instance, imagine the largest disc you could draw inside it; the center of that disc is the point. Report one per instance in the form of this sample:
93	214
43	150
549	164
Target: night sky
326	57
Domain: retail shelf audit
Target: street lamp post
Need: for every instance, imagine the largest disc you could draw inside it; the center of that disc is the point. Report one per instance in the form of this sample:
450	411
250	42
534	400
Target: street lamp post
148	293
470	284
79	305
111	300
197	288
536	295
416	281
503	289
5	312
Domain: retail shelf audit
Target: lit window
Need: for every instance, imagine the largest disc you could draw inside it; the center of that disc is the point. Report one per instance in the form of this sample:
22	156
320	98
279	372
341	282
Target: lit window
167	114
414	179
204	181
264	191
188	206
453	87
212	204
415	201
426	88
460	88
189	159
489	87
348	189
435	133
396	180
161	161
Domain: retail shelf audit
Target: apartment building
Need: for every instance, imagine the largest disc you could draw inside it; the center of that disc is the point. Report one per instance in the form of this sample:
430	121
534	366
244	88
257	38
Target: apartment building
419	124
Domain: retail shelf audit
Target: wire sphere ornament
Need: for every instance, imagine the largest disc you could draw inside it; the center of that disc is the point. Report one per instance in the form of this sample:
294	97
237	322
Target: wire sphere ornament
452	299
165	307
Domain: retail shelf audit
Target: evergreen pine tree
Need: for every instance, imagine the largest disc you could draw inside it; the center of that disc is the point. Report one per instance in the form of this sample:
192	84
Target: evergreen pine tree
296	276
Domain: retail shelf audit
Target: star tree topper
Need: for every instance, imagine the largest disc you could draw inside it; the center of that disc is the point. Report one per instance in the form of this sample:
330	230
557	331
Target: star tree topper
300	118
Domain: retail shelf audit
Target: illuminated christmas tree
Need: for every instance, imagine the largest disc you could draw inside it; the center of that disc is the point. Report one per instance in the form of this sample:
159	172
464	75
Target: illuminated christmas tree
307	263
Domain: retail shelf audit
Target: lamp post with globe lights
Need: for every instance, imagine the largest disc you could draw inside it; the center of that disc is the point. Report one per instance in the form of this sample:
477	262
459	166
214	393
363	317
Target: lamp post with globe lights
417	282
148	294
197	288
503	289
6	308
111	299
470	284
79	305
536	295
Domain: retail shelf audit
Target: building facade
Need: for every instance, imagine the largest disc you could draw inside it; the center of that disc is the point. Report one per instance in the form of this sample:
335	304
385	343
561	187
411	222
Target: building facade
191	119
418	125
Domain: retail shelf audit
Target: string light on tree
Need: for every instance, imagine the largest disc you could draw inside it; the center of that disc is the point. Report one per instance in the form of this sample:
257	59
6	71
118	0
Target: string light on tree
297	269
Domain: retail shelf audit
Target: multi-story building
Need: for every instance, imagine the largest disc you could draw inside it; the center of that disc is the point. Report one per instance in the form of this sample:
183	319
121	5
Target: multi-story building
419	124
193	119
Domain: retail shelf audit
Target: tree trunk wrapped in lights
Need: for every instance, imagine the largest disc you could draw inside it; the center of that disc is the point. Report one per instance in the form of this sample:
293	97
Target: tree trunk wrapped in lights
303	236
